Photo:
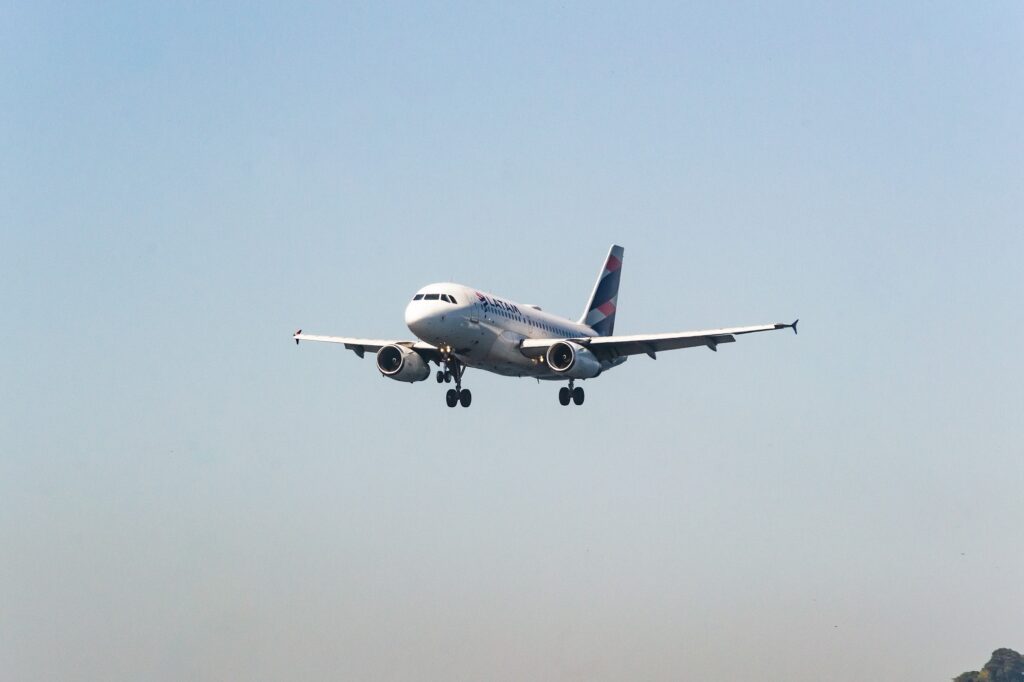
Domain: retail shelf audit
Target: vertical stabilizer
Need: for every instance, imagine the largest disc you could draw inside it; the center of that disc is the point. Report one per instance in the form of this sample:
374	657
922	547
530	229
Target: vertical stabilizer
599	314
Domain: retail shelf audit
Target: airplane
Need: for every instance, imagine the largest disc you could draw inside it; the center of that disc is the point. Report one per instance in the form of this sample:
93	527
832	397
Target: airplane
457	327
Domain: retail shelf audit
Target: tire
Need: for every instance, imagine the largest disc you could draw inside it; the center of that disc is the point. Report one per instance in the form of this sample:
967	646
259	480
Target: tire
577	395
451	397
563	395
440	377
465	397
447	377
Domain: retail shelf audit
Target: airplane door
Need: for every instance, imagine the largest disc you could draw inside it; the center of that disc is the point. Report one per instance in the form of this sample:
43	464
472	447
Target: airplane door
479	338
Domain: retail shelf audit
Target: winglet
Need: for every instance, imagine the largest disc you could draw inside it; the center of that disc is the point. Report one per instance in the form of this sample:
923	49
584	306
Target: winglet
794	324
296	336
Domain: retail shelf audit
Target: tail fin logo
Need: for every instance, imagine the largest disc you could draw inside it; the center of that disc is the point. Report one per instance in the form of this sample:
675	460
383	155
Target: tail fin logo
600	312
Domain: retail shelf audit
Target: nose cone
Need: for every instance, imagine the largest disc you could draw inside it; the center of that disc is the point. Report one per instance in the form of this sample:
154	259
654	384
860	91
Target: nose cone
433	314
425	319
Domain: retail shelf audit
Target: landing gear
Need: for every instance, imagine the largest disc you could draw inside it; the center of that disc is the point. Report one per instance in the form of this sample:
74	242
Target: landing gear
458	395
569	393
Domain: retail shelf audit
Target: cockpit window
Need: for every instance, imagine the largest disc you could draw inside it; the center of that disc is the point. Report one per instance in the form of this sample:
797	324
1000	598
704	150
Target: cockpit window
447	298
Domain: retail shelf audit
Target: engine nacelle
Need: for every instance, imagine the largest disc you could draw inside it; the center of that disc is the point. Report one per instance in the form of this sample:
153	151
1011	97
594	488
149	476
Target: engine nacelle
401	364
573	360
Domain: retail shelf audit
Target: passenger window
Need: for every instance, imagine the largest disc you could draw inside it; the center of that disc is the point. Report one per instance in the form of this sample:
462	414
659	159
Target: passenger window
417	297
430	297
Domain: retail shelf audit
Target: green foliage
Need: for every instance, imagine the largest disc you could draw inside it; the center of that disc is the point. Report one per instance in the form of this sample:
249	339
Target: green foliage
1006	665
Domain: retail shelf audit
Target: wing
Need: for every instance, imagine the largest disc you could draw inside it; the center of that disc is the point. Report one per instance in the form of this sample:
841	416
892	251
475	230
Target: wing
361	346
609	347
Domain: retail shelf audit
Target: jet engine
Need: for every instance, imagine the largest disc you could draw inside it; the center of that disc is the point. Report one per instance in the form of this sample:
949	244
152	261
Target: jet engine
402	364
573	360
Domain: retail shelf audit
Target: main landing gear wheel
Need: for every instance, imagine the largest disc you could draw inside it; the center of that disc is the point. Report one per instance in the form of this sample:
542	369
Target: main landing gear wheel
570	393
463	397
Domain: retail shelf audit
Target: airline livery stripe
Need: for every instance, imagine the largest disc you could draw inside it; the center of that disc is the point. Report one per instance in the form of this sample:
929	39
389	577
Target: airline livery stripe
607	289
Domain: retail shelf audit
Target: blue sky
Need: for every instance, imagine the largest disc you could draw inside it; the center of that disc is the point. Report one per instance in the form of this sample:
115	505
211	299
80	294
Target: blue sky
184	494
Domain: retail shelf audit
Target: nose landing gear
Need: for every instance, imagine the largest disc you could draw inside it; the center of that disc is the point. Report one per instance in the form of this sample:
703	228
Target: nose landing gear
458	395
567	393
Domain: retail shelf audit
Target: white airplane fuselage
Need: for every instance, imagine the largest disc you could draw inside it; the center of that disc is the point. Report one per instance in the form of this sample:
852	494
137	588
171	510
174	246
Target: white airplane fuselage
458	327
486	331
